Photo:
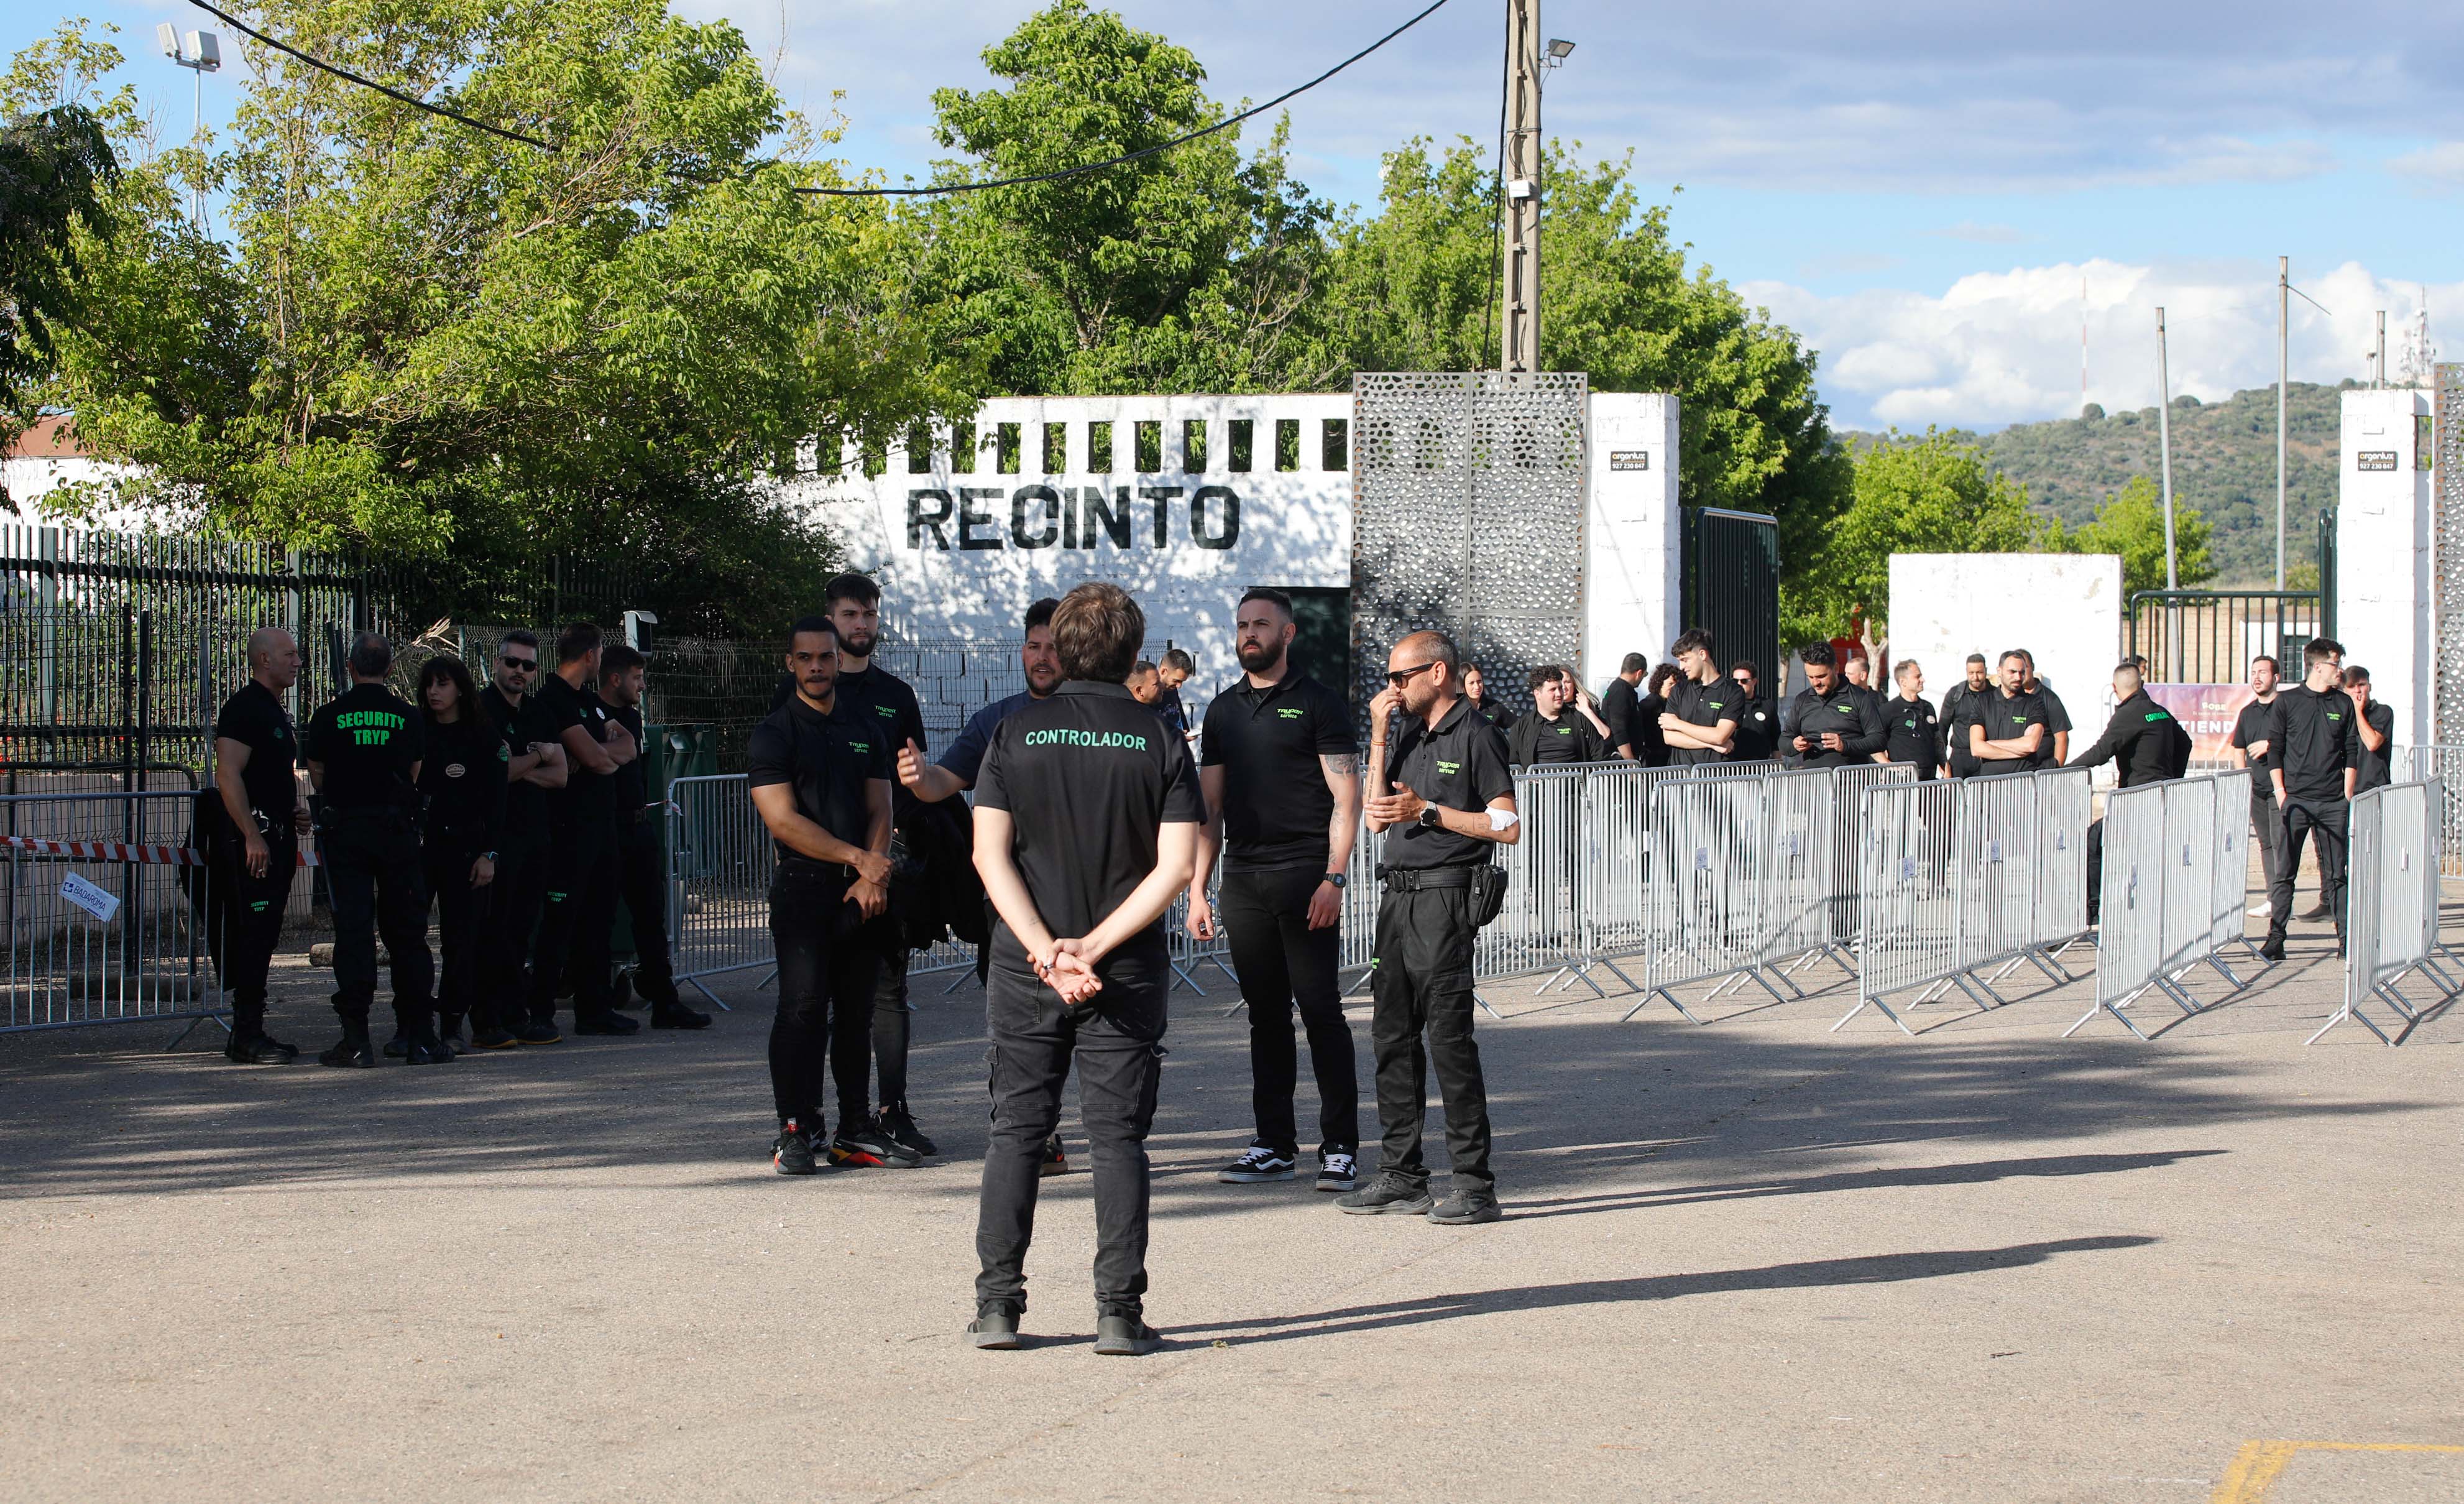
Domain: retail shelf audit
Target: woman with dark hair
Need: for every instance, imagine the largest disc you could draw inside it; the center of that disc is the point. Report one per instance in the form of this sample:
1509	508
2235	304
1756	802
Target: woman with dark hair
463	783
1650	742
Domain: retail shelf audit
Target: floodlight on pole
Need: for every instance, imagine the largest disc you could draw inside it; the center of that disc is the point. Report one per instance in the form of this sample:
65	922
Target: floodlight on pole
201	53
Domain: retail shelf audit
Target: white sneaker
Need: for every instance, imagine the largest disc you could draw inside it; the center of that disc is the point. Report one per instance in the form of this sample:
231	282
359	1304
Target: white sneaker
1336	1172
2255	911
1259	1163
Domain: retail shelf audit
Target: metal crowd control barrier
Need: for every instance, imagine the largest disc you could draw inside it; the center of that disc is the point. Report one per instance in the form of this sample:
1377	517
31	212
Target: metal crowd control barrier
2391	906
105	910
2171	893
1963	875
720	863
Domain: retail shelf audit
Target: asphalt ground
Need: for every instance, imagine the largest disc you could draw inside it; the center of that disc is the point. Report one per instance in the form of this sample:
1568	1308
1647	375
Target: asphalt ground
1755	1260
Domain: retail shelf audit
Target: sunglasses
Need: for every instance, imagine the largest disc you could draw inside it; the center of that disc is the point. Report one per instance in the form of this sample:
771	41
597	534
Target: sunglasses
526	665
1398	677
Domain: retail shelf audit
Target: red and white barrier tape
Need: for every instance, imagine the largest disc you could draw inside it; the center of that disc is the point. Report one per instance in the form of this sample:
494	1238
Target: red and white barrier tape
121	852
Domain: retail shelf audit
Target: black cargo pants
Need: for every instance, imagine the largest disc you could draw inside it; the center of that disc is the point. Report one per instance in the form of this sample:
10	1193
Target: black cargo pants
1421	982
372	869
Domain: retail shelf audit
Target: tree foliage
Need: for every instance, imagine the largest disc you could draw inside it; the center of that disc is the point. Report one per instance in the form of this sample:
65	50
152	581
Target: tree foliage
2131	523
1927	494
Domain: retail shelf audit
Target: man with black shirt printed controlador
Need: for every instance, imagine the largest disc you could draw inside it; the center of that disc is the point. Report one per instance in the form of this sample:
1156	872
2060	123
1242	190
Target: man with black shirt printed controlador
2007	731
1087	817
640	844
363	751
1961	706
1910	732
1559	728
1281	773
2315	747
955	773
1705	707
1829	723
253	848
819	777
538	767
2249	750
1448	798
581	873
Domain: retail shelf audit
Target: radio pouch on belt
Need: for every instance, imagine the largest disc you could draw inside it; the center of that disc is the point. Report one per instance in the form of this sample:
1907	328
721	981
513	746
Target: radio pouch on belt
1487	892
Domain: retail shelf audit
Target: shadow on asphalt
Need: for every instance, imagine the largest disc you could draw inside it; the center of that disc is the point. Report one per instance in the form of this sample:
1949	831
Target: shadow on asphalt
1975	1173
1882	1268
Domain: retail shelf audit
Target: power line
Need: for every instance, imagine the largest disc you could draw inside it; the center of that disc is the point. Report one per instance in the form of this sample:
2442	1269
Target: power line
1125	157
439	111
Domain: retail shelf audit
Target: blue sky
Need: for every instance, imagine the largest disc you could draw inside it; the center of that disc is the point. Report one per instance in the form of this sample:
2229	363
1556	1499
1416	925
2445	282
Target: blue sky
1919	187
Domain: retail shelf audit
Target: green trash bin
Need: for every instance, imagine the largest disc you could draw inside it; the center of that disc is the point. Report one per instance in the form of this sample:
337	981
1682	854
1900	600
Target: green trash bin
671	753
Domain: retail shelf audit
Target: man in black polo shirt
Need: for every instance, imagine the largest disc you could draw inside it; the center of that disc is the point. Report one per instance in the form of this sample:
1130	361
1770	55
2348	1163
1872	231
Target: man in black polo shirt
2374	725
2057	719
1449	798
253	846
2150	748
1859	673
2251	750
582	885
1558	728
1650	742
1757	722
1281	773
1829	723
887	703
820	776
538	766
640	844
1909	732
1705	707
2007	731
1960	704
2316	748
363	751
1086	819
1619	703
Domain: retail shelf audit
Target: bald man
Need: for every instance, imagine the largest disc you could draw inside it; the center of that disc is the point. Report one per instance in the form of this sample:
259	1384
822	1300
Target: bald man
253	831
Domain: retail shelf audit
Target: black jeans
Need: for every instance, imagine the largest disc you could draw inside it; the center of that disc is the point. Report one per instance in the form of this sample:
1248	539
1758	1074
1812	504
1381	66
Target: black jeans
890	1025
645	891
2268	821
1421	982
1281	962
372	869
1118	1046
513	912
244	923
581	907
461	925
2325	823
826	976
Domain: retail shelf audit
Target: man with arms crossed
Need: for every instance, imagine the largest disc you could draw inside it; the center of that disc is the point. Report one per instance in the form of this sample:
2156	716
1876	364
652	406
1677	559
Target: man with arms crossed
1087	818
1281	777
1447	796
538	766
2007	730
1704	708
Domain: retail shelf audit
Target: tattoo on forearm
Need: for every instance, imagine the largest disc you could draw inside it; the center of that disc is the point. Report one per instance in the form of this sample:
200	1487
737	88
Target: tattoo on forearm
1342	765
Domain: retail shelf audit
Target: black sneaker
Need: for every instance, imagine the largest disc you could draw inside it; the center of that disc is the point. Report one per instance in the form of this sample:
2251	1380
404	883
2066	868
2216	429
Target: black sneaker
540	1033
2273	947
1336	1170
353	1050
1124	1336
864	1145
494	1038
901	1125
1257	1164
995	1328
610	1022
1055	1162
427	1049
258	1049
675	1015
398	1046
1388	1193
1466	1206
2316	912
791	1153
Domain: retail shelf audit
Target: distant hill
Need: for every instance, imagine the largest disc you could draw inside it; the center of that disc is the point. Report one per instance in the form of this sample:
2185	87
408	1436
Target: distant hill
2224	464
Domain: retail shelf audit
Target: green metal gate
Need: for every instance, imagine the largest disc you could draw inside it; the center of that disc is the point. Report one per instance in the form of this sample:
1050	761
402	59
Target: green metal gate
1730	584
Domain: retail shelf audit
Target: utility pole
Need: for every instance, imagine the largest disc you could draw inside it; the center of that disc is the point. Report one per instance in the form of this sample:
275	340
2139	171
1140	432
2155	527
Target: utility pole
2283	318
202	55
1519	349
2165	449
2378	361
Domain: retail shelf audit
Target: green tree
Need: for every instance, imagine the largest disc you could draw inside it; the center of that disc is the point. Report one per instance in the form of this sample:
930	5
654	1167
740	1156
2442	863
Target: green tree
1929	494
2131	523
424	338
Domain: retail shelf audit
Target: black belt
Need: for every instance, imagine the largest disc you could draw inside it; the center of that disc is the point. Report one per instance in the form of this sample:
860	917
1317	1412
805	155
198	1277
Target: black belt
1414	879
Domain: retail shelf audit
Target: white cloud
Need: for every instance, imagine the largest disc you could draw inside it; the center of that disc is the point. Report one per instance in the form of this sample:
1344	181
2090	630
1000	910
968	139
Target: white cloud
2001	347
2437	168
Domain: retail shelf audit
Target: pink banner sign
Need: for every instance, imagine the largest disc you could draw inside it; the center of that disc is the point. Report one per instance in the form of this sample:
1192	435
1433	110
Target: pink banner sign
2206	711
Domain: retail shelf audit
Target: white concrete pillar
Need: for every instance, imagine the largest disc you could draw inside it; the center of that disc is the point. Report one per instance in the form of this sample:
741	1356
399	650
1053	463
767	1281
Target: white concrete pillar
1632	543
2383	592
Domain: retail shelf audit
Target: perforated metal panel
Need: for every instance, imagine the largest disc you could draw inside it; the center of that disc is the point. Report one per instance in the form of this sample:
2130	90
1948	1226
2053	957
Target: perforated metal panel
1469	518
2448	484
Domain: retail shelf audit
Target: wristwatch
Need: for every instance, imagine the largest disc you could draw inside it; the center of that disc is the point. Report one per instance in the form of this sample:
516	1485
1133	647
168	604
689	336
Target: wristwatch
1428	817
488	857
1339	880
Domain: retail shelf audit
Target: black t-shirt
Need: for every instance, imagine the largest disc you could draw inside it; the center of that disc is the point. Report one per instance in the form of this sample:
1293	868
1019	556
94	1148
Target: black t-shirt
882	699
1848	711
1757	733
586	794
1960	708
2149	744
1539	740
366	738
826	759
1089	777
2007	718
1650	742
2249	727
256	720
2376	773
2316	736
1705	705
1909	734
525	803
1617	705
1276	805
463	777
631	784
1460	763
